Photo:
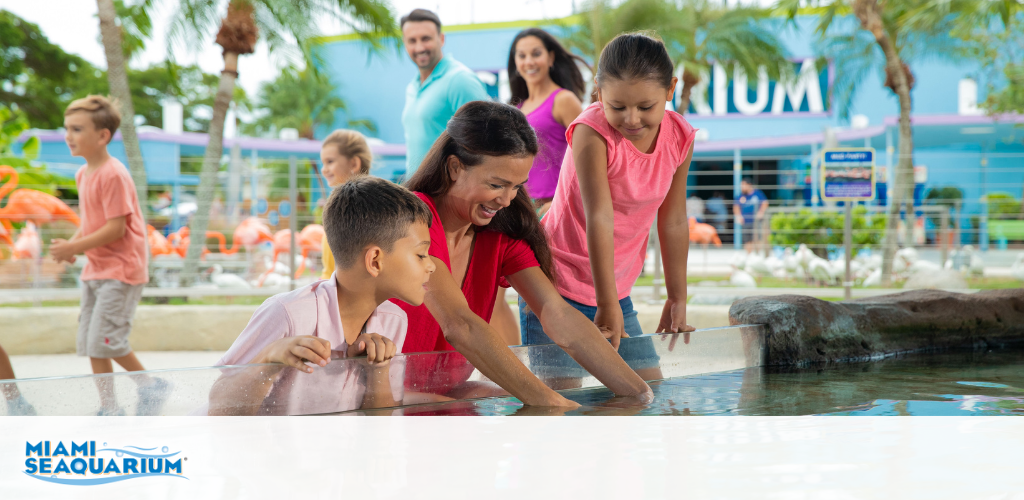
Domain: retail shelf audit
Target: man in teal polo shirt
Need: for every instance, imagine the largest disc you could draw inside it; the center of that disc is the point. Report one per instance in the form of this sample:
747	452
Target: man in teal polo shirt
441	88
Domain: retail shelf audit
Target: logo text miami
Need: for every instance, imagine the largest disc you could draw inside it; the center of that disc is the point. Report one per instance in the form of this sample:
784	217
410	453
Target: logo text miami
84	465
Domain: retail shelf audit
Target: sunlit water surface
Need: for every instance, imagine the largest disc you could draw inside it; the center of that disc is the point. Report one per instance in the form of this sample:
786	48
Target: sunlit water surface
973	383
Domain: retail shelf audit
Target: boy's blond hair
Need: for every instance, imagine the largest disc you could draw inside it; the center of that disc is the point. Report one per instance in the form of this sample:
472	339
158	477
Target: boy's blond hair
103	111
351	144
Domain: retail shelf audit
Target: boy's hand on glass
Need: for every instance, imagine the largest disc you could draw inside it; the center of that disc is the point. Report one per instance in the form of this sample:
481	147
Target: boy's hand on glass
296	351
673	320
61	251
378	348
609	321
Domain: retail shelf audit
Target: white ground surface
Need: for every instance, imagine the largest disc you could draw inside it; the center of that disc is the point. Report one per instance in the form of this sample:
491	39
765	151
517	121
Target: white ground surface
63	365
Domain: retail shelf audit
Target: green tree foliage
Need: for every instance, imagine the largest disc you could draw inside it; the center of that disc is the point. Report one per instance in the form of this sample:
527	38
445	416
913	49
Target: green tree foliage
36	76
301	99
1003	206
696	33
188	85
39	79
993	29
12	124
818	230
280	24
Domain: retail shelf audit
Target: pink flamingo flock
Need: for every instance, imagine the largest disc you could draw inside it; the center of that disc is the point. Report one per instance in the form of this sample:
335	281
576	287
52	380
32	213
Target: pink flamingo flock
31	206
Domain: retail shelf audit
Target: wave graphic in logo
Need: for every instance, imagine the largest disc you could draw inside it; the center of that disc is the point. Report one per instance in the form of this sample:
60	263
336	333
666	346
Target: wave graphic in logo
99	480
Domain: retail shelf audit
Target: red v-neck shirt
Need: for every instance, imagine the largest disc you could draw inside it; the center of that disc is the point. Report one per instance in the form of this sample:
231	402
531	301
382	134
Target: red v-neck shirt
494	256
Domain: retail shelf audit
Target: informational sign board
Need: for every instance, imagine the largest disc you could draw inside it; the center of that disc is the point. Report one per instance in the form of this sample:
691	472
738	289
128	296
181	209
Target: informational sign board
848	174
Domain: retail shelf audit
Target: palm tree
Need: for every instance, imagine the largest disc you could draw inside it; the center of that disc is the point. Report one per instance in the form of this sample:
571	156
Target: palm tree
301	99
697	33
890	26
118	38
282	23
993	29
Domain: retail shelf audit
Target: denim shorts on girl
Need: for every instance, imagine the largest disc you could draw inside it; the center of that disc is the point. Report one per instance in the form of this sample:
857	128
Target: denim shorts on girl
638	353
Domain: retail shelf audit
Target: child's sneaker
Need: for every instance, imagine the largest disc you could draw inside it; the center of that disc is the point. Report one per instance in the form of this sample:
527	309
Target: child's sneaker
152	397
19	407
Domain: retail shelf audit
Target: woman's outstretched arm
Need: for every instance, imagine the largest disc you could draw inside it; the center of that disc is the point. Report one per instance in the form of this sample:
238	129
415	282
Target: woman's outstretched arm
577	335
481	345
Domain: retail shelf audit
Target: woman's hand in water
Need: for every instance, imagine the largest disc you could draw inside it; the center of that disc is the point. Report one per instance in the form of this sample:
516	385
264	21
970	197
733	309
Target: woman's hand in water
558	401
673	320
609	321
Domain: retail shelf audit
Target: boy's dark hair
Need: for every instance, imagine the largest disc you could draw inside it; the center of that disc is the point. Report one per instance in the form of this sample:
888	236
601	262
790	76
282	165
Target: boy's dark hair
369	211
565	72
635	56
478	130
418	15
748	180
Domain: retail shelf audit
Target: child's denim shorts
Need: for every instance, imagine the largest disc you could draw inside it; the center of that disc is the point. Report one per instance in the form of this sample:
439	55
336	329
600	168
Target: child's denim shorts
639	353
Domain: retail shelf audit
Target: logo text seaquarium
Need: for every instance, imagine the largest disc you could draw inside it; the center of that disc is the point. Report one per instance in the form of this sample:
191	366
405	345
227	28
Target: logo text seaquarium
83	464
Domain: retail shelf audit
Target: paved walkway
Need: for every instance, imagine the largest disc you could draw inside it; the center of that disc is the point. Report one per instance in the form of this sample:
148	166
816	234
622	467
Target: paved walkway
64	365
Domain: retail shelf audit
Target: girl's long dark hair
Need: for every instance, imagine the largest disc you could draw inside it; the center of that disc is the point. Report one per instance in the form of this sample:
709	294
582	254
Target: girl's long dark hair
480	129
565	73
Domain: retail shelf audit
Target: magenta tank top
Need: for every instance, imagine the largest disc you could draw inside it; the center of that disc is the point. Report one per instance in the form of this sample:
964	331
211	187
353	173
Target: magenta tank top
551	143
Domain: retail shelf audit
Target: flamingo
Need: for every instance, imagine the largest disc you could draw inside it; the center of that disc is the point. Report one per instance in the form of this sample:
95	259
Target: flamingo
181	239
158	244
703	233
249	233
29	244
5	237
308	241
29	204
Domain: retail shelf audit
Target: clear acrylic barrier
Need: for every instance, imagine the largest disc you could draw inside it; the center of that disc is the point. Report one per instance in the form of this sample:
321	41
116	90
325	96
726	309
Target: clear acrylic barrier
351	384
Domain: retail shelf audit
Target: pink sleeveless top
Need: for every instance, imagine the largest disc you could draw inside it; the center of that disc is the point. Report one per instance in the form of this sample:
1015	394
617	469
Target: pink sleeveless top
551	142
639	183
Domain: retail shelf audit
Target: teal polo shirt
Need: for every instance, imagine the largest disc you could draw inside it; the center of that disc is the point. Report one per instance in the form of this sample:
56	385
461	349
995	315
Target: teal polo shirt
429	106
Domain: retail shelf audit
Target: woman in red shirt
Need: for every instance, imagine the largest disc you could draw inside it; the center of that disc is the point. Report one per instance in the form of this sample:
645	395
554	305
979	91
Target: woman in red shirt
486	234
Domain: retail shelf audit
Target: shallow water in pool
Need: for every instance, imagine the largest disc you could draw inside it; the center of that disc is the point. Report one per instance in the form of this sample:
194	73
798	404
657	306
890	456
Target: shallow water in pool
974	383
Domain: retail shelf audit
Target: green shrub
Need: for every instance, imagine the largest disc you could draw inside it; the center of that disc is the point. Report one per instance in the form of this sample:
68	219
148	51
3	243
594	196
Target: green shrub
1003	206
819	229
943	196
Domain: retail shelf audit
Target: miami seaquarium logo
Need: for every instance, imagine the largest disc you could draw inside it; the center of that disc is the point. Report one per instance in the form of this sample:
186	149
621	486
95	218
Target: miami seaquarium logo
84	465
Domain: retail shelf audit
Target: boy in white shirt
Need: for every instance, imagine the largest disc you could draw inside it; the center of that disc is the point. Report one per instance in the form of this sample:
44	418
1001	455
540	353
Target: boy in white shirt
378	233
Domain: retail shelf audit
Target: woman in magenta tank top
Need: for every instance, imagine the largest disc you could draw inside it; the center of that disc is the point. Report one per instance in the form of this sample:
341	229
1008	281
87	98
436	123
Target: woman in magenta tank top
539	69
547	87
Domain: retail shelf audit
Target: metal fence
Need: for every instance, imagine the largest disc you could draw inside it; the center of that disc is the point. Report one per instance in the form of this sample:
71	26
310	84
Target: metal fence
941	227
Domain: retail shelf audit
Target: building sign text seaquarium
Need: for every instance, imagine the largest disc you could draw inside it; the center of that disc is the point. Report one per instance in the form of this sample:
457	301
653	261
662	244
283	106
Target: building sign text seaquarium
726	92
83	464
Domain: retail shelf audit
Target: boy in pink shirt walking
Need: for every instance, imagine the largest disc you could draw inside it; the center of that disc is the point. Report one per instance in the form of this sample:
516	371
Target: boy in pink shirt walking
112	237
379	235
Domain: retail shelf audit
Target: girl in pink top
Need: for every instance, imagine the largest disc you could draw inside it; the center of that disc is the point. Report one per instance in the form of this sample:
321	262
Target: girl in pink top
627	163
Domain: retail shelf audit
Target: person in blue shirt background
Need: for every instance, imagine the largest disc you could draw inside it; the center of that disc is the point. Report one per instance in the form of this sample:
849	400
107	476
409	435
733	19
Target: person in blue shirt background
749	210
433	96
